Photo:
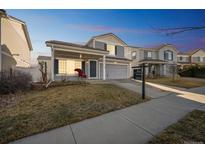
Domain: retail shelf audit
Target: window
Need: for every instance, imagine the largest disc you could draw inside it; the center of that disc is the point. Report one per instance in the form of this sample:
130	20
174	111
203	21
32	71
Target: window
200	59
62	66
134	55
168	55
181	58
119	51
100	45
148	54
68	66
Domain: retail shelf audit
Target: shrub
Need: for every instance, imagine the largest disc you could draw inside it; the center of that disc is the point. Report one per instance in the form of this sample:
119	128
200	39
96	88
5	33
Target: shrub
193	71
11	82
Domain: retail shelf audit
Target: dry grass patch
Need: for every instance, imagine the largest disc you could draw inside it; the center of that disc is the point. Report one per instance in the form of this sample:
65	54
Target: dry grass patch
191	129
182	83
38	111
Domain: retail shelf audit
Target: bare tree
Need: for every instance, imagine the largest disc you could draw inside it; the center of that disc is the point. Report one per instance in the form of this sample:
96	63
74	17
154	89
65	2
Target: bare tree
43	70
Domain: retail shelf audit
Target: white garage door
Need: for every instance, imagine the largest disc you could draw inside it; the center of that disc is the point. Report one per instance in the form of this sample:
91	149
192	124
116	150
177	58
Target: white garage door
114	71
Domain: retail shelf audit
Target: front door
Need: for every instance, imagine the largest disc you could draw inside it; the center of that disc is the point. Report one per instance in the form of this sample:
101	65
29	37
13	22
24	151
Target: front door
93	69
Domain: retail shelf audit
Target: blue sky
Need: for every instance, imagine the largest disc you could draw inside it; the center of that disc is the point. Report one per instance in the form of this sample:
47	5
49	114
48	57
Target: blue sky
135	27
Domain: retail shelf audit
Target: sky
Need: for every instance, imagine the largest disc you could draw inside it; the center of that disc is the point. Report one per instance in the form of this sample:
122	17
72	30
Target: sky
135	27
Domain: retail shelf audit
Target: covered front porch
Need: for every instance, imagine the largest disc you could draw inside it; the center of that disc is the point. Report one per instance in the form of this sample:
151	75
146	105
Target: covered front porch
154	68
65	59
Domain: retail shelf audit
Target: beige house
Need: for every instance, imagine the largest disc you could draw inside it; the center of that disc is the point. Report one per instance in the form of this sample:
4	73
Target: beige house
102	57
191	58
15	44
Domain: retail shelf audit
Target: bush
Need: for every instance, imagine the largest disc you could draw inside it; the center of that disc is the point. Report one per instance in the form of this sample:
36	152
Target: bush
11	82
193	71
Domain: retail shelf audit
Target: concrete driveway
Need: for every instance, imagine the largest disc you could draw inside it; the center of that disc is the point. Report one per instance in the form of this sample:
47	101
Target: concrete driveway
135	124
137	87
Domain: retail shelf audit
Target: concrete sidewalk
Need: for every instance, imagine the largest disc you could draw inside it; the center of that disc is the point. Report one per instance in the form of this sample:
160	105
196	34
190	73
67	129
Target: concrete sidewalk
135	124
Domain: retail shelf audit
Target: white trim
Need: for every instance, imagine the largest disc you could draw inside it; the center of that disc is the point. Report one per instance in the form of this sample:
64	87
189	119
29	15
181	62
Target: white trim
97	77
117	63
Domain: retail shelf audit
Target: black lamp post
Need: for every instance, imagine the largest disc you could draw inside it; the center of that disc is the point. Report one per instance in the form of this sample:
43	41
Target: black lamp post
143	81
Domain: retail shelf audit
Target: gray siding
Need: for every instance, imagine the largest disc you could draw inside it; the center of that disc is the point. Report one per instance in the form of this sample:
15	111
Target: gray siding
154	55
184	59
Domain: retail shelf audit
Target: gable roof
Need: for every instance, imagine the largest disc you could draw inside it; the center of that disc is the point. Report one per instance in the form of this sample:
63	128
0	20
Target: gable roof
194	51
156	48
5	15
183	53
111	34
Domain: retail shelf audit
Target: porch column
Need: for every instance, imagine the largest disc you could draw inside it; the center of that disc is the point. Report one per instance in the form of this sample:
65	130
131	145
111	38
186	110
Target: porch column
104	76
52	64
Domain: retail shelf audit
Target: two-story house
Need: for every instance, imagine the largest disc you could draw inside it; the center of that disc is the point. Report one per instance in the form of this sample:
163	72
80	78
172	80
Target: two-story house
102	57
159	61
107	57
192	57
15	44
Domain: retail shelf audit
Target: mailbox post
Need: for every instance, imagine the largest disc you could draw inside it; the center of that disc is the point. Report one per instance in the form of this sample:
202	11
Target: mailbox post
143	81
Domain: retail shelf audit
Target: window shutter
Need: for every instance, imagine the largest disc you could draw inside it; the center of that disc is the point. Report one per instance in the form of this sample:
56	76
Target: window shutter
115	50
145	54
56	66
165	56
105	46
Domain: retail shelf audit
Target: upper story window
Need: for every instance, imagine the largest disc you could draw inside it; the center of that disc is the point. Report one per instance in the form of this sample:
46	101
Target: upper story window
100	45
134	54
168	55
200	59
181	58
148	55
119	51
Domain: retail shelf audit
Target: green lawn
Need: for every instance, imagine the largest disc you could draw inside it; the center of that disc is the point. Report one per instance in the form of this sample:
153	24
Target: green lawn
182	83
37	111
191	129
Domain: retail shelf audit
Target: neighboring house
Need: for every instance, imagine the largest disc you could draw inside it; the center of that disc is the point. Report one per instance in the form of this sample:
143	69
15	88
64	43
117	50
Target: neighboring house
159	61
102	57
192	57
15	44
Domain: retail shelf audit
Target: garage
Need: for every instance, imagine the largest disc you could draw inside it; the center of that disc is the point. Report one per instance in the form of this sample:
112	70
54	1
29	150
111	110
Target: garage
115	71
